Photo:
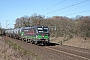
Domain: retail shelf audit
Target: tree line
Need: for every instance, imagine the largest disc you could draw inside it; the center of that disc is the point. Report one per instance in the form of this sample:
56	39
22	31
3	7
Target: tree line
58	25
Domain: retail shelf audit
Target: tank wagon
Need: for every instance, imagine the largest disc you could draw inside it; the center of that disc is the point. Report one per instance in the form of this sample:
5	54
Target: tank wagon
9	32
34	34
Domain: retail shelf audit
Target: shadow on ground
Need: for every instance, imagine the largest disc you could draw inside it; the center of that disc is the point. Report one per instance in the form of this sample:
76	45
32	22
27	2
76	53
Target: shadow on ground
50	44
53	44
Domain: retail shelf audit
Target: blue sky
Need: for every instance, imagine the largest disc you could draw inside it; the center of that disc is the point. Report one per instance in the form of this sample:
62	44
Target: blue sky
12	9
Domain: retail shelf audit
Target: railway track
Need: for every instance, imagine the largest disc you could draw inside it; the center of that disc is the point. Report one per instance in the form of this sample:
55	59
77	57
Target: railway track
55	52
81	55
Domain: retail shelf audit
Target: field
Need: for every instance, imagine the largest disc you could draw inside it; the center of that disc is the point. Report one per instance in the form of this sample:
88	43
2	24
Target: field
76	42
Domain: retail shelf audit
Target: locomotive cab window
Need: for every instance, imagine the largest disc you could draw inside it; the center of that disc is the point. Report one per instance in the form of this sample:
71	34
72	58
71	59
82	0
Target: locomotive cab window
45	30
40	30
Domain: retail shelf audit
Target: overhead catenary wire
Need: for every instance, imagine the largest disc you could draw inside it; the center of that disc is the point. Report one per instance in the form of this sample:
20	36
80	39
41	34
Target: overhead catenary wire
79	7
65	7
79	12
53	6
75	8
68	6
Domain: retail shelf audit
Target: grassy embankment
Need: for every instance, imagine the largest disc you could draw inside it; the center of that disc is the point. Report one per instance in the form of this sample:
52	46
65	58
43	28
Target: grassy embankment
22	50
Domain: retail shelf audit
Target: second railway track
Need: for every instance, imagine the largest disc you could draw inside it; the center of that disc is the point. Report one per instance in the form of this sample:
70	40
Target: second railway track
72	53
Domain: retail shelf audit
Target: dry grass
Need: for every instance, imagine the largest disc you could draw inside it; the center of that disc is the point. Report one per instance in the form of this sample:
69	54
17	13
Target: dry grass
11	51
8	53
76	42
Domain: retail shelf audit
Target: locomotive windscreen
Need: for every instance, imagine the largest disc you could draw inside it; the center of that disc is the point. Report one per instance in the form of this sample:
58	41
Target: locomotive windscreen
45	30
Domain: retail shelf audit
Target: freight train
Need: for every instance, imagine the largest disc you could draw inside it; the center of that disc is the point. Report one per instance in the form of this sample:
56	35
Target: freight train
38	35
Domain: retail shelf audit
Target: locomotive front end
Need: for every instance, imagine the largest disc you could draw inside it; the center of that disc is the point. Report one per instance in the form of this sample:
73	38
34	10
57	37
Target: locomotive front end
43	35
